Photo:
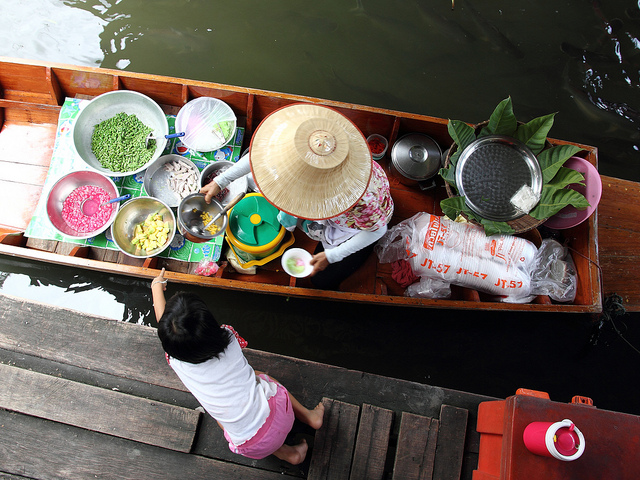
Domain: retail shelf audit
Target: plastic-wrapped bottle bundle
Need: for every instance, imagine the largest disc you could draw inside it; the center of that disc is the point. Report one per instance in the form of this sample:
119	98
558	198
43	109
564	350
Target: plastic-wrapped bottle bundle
460	253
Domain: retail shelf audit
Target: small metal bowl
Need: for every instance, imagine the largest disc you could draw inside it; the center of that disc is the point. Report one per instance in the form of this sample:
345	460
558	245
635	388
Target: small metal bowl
156	179
67	184
232	191
189	214
208	172
108	105
133	213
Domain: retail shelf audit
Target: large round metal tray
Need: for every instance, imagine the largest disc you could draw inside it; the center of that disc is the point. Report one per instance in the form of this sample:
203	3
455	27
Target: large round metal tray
491	170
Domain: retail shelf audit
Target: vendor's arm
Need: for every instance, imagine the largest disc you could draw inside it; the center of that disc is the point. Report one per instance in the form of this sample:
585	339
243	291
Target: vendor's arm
158	286
222	181
362	239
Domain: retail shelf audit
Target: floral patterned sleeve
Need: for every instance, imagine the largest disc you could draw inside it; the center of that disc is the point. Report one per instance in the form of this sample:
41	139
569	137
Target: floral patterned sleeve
374	209
243	343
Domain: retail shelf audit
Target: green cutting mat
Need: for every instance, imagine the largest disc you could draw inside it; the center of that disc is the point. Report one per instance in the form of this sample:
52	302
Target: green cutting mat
65	160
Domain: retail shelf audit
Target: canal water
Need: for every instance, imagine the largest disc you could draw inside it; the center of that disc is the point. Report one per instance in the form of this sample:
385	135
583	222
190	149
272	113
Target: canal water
579	59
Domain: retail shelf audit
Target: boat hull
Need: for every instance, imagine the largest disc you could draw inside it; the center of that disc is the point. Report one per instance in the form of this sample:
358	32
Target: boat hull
31	96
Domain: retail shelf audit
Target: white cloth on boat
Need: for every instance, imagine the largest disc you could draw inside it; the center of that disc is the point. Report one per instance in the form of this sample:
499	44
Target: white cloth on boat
229	390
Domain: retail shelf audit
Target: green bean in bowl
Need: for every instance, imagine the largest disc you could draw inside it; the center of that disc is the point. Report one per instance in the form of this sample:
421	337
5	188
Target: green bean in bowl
119	143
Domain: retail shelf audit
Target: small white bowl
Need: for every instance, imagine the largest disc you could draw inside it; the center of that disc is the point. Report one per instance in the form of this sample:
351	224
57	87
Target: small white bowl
295	262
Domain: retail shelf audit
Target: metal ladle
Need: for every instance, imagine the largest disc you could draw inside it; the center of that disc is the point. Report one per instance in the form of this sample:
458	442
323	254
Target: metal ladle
90	206
195	224
151	137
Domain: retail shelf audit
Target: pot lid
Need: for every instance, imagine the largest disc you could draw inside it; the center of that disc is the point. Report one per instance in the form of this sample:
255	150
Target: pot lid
491	170
254	221
416	156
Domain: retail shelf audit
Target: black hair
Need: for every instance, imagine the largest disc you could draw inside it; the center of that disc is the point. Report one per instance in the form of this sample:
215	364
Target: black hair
189	332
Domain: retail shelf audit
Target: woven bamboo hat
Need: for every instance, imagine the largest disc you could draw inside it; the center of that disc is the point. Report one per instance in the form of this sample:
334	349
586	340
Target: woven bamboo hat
310	161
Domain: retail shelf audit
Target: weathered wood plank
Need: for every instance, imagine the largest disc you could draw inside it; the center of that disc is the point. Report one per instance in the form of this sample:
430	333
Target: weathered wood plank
97	409
140	357
117	348
36	448
416	450
23	173
321	380
31	143
619	240
372	443
334	442
451	440
23	198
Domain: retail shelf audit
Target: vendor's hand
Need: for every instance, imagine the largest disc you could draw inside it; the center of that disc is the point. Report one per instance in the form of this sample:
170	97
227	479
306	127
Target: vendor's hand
210	190
160	280
319	262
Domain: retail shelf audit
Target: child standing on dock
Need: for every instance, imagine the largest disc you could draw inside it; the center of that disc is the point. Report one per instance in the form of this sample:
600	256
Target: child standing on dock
254	410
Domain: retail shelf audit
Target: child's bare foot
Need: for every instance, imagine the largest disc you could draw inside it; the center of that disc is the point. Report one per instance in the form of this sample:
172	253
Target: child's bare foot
294	454
316	416
301	451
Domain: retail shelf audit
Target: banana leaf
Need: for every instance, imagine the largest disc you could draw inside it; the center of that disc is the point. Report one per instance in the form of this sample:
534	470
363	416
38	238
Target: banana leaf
534	133
553	158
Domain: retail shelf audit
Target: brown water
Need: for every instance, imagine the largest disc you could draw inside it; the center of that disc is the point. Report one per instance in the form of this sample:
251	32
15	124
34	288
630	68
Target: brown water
580	59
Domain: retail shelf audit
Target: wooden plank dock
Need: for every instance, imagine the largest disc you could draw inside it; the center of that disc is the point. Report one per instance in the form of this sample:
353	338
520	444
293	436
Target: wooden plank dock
86	397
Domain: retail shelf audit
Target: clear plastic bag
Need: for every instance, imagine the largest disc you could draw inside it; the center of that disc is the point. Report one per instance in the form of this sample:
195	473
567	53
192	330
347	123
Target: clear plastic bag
206	268
428	288
208	124
461	254
555	273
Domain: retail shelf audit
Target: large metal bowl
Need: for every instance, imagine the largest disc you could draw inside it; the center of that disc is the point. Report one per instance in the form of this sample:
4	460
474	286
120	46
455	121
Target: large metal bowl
67	184
108	105
157	179
135	212
190	221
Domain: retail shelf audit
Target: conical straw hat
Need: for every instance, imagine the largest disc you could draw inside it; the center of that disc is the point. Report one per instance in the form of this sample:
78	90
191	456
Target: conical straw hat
310	161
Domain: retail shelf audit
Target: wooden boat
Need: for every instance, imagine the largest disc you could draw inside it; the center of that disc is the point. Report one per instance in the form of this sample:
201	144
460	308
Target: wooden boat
31	95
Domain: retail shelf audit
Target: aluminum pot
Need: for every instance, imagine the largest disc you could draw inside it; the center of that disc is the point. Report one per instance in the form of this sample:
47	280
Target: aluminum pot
189	211
415	160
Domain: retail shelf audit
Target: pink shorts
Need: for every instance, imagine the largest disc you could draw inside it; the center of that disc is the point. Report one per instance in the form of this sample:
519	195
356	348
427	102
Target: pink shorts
272	434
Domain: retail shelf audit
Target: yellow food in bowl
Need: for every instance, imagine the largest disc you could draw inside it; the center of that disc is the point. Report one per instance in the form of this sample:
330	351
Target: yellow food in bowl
152	233
206	218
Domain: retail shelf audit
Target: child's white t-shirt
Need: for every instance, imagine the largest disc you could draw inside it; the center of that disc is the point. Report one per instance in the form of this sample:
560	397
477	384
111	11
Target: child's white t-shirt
228	389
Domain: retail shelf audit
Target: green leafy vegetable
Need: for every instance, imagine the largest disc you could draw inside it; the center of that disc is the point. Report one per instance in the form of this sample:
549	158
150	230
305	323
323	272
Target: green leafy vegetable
224	129
453	206
461	133
502	120
553	199
495	228
449	175
553	158
534	133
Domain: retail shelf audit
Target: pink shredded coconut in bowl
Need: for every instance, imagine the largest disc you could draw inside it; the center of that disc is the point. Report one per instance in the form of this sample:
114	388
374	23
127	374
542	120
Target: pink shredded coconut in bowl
72	212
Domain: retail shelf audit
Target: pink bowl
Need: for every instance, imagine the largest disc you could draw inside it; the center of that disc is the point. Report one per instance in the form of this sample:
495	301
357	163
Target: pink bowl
570	216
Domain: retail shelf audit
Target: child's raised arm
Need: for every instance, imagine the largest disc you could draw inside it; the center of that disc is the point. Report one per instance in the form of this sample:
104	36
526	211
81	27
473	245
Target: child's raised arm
158	286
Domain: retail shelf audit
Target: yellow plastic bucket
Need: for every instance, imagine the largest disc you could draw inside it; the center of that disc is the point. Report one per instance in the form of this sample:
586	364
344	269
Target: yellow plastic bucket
253	229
